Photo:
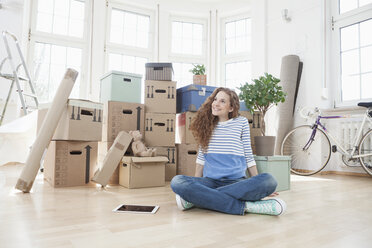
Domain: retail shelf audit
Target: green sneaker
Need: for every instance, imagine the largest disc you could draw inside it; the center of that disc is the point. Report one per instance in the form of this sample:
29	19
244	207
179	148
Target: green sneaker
182	204
273	206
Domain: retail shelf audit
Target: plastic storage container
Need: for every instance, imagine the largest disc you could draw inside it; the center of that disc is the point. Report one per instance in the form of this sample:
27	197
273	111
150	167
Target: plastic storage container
191	97
159	71
278	167
121	86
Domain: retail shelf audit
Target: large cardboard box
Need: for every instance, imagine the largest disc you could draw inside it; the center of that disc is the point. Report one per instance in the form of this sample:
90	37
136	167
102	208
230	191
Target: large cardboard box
254	123
191	97
122	116
160	129
171	166
121	86
183	132
159	71
81	121
70	163
142	172
186	162
160	96
278	167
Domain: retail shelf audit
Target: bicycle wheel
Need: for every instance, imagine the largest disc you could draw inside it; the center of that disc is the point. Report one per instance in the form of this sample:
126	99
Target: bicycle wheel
308	157
365	148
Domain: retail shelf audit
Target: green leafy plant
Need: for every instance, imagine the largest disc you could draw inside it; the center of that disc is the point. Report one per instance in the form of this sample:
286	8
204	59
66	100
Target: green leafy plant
261	95
198	70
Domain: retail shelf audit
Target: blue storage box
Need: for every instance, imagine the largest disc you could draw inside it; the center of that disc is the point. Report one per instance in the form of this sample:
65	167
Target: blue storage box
243	107
191	97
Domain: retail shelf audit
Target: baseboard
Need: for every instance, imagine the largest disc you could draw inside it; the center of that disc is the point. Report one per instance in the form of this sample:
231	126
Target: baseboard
344	173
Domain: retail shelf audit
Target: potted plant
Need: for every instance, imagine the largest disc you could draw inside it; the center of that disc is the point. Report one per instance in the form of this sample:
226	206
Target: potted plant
261	95
199	75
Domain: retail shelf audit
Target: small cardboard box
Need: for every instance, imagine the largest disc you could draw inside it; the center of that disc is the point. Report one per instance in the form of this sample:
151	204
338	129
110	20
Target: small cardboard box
159	71
160	129
278	167
191	97
121	86
160	96
81	121
70	163
103	148
142	172
171	166
184	134
186	162
122	116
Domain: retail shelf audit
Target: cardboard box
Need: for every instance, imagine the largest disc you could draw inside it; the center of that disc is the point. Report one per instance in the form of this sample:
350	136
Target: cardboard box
111	174
81	121
122	116
160	96
70	163
121	86
159	71
160	129
171	166
186	162
142	172
254	123
183	132
191	97
278	167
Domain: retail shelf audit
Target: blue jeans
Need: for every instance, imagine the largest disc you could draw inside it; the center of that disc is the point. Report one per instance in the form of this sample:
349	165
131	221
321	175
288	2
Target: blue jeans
223	195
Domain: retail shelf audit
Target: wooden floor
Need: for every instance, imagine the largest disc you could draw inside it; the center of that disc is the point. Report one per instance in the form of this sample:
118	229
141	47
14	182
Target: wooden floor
323	211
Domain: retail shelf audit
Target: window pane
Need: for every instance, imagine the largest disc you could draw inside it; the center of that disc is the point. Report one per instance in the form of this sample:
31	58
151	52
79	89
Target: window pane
187	38
182	74
367	85
50	63
364	2
366	59
237	74
63	17
347	5
349	37
237	36
350	88
365	33
350	62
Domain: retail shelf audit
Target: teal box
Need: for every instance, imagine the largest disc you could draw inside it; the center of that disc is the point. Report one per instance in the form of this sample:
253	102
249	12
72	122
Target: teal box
121	87
278	167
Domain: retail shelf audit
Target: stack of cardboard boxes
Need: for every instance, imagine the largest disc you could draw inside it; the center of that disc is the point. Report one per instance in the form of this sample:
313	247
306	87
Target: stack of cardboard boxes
254	123
160	116
189	100
122	110
71	158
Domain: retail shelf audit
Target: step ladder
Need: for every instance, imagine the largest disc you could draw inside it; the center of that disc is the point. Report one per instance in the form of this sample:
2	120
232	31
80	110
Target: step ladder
24	95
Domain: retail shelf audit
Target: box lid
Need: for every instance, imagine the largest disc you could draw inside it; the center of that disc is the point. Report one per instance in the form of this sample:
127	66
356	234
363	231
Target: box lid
127	159
243	107
159	65
121	73
196	87
271	158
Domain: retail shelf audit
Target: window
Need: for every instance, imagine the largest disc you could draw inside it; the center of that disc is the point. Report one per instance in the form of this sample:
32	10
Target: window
58	41
236	52
130	38
188	41
352	30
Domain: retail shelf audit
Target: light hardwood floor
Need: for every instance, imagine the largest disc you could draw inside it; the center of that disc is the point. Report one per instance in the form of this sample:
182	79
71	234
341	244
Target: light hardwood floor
323	211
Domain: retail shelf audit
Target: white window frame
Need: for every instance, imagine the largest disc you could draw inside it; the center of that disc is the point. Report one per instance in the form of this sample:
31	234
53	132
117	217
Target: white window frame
64	40
129	50
339	21
231	58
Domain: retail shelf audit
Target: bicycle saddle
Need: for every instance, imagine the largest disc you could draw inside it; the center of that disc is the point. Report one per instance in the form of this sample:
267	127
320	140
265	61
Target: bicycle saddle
365	104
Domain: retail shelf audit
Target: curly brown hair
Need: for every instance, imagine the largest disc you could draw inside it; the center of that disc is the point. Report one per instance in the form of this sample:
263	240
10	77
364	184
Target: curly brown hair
204	122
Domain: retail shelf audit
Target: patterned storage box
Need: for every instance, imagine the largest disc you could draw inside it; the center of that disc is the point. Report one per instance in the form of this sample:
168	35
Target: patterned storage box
159	71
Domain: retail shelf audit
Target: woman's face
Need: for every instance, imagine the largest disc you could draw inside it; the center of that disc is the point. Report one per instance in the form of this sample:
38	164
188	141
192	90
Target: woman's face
221	106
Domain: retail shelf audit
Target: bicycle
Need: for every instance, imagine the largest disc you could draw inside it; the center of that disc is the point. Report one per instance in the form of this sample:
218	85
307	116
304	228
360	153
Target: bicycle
310	146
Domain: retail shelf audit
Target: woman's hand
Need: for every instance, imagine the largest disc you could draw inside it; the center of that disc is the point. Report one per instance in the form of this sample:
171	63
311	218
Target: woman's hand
274	194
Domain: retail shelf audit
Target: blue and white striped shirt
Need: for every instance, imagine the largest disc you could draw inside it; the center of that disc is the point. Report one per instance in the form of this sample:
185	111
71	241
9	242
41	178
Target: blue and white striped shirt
229	152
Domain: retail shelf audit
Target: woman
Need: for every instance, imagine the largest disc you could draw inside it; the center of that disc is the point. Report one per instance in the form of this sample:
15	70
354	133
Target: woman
224	155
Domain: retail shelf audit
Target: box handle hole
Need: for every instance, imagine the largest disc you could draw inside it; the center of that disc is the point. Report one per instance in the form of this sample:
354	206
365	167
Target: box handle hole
75	152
